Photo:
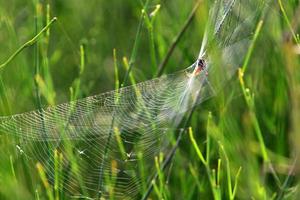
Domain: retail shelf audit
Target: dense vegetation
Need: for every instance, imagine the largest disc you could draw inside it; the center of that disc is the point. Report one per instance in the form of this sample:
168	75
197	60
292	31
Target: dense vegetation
243	143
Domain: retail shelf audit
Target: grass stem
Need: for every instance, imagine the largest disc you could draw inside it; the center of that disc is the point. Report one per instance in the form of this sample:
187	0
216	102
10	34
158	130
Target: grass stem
28	43
176	40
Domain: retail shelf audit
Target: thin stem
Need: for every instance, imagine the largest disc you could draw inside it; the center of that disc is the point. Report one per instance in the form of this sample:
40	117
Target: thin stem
28	43
37	67
130	64
251	48
287	180
236	182
135	45
166	162
160	71
196	147
211	174
288	21
176	40
170	156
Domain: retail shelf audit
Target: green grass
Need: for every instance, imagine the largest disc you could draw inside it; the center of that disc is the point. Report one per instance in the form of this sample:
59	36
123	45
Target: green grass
241	144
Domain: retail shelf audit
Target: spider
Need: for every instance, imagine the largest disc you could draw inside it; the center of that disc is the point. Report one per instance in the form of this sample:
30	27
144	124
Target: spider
201	66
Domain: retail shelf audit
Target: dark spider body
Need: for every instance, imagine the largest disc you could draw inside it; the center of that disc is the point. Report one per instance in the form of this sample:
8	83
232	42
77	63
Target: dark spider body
201	65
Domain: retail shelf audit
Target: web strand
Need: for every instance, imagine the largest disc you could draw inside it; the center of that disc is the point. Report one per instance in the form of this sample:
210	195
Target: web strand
143	115
70	139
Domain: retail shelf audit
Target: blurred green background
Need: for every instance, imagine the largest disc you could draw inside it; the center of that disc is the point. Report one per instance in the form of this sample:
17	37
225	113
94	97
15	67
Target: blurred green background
101	26
271	109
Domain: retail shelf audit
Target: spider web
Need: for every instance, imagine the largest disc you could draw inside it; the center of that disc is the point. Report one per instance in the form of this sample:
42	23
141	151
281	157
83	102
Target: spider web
103	138
105	145
230	29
